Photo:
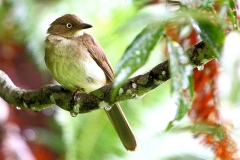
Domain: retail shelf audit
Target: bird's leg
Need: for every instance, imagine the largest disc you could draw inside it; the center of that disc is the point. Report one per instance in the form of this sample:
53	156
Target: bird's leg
75	110
77	92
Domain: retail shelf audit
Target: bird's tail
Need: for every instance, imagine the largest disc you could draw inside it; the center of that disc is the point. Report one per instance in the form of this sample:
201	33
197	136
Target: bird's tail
122	127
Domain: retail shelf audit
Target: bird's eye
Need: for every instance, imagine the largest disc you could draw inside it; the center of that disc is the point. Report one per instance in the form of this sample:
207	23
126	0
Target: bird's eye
69	25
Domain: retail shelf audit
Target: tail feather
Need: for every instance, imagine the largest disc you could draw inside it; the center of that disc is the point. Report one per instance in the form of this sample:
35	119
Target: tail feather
122	127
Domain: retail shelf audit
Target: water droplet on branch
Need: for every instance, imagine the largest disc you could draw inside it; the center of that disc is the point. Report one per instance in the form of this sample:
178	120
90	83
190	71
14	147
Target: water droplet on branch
73	114
108	108
18	108
201	67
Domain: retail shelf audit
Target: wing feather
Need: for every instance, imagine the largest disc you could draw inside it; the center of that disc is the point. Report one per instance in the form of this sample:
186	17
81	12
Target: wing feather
98	55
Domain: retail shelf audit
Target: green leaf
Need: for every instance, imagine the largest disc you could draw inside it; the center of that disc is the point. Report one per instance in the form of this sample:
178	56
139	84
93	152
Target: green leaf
210	33
218	131
181	73
232	13
137	53
170	125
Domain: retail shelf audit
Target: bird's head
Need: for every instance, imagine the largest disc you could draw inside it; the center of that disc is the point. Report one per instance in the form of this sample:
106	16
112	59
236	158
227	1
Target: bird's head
68	26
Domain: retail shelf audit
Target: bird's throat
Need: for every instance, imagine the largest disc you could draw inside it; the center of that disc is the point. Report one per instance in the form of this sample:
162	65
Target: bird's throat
78	33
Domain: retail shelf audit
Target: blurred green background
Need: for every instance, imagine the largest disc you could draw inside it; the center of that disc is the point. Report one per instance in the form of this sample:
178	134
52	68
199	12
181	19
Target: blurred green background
53	133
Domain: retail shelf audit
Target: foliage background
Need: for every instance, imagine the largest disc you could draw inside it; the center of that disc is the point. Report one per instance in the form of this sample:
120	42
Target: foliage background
53	133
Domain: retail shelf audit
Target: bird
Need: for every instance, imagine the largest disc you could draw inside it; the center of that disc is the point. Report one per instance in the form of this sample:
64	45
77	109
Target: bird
79	64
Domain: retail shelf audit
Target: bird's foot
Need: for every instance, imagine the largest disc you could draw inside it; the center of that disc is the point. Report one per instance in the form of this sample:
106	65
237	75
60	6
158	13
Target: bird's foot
75	95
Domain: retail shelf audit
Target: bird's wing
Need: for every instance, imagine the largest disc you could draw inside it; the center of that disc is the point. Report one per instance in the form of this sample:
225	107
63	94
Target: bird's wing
116	114
98	55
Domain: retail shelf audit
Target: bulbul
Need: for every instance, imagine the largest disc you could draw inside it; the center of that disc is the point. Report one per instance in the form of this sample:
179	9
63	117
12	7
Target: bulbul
78	62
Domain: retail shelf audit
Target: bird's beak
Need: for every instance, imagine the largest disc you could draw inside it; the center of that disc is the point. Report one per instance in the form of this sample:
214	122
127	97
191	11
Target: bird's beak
85	26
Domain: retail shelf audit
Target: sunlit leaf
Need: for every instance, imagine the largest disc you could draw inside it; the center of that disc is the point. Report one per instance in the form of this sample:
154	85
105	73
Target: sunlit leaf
210	33
181	73
137	53
231	64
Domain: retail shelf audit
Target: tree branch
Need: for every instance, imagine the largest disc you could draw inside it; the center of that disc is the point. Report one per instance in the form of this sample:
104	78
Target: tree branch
100	98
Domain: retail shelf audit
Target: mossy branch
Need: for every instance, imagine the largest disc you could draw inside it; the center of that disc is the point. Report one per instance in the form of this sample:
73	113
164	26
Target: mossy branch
82	102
